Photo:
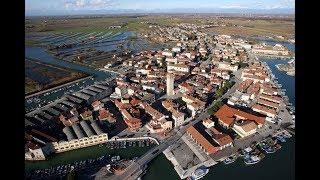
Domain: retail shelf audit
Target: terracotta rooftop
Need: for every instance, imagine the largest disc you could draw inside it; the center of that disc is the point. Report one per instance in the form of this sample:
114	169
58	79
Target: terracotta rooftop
96	103
221	138
275	99
153	112
103	113
254	88
264	109
268	103
135	102
228	114
209	148
243	86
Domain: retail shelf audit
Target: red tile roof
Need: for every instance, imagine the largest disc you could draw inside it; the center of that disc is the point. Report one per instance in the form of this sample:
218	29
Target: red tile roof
96	103
203	142
221	138
228	114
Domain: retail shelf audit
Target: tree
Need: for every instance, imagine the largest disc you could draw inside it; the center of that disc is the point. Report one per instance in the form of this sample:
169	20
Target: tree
215	107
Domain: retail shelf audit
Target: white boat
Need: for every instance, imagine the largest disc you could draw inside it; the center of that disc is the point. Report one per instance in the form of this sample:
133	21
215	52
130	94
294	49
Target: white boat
252	160
199	173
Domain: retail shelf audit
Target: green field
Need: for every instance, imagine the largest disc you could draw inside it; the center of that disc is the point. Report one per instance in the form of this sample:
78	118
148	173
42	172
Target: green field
234	26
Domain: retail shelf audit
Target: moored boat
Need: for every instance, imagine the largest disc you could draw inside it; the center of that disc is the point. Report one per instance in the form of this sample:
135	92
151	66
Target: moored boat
230	159
199	173
252	160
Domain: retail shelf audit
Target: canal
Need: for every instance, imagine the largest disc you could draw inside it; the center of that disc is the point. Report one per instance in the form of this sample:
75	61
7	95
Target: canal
84	154
39	54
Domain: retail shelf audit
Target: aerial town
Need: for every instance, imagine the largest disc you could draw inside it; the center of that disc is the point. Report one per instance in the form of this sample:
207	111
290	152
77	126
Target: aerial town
201	100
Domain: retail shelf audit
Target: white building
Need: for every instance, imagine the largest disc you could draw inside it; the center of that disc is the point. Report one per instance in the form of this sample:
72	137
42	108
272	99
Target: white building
167	53
178	117
84	137
36	153
227	66
178	67
245	128
176	49
208	123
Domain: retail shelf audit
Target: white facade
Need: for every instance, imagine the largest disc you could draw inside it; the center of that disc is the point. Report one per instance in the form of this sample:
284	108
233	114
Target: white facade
63	146
241	132
270	51
264	112
227	66
208	123
245	97
178	67
35	154
176	49
178	120
172	60
170	84
167	53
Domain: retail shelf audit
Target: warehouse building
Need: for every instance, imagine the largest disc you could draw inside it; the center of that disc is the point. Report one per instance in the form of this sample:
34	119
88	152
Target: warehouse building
83	134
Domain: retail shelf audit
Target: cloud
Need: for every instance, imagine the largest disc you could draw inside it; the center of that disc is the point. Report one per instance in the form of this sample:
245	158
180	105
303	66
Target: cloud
80	3
233	7
89	4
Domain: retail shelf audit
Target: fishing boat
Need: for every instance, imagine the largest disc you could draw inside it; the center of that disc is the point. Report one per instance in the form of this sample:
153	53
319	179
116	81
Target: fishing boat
277	147
199	173
230	159
280	138
270	150
252	160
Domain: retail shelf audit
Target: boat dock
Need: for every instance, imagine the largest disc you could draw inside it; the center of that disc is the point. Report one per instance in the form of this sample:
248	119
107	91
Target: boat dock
186	157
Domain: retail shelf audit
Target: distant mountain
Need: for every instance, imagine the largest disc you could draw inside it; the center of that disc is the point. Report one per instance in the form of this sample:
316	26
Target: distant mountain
176	10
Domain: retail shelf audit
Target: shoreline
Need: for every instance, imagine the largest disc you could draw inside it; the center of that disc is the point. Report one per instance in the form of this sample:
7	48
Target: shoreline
288	71
274	56
56	87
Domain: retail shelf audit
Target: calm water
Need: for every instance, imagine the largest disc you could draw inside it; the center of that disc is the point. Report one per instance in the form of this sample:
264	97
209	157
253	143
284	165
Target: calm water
41	55
287	82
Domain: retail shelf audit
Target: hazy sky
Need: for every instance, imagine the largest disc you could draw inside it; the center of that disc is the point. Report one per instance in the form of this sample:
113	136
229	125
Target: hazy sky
64	6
